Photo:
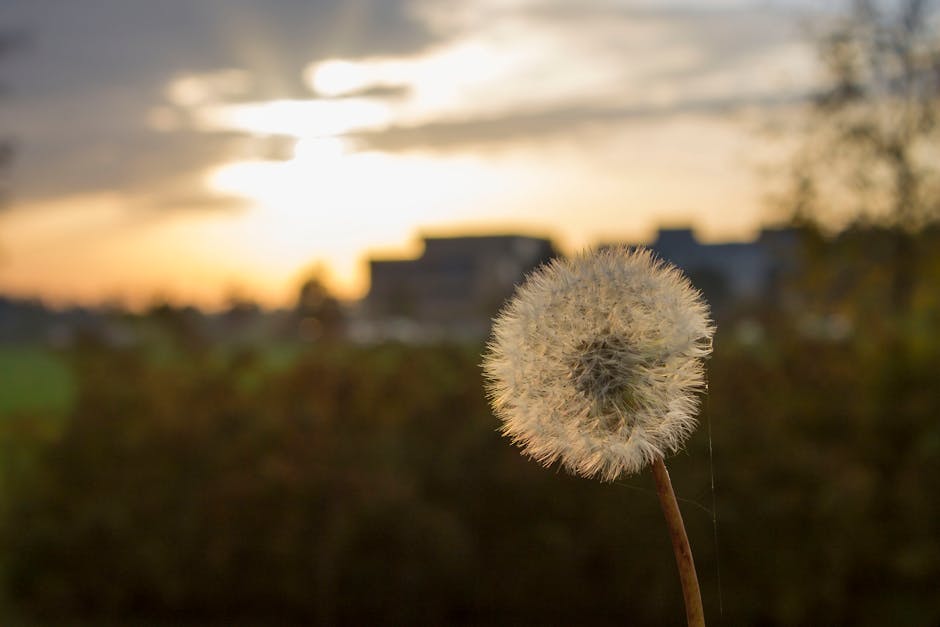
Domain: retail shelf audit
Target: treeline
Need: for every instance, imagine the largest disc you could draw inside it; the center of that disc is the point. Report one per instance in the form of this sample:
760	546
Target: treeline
368	485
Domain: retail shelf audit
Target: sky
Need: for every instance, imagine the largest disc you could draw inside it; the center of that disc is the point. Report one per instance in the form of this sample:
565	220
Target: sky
200	150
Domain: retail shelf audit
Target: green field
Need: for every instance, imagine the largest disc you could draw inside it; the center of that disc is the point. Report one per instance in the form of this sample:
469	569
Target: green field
33	379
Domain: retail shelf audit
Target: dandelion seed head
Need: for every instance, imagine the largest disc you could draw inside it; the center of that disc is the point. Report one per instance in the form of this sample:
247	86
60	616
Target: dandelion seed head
596	362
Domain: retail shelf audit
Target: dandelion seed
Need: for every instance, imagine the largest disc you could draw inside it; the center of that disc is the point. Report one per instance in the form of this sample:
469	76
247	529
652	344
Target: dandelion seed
596	362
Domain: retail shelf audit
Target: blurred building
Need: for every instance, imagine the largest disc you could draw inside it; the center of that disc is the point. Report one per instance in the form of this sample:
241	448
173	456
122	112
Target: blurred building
457	285
453	290
736	272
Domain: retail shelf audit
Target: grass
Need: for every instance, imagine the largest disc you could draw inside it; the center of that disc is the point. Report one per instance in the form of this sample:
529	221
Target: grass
33	378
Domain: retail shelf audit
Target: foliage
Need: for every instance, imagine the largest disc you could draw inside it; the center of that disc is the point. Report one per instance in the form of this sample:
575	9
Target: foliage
319	316
369	485
869	153
33	379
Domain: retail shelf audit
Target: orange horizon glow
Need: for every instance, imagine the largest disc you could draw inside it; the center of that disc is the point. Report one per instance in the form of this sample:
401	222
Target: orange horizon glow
199	260
331	209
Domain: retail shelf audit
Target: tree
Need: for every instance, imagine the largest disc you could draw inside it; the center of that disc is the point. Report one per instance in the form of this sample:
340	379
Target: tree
319	314
869	164
8	41
871	151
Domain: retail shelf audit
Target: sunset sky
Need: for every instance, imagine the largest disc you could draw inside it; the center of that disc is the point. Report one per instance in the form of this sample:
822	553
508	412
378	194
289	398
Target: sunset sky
196	149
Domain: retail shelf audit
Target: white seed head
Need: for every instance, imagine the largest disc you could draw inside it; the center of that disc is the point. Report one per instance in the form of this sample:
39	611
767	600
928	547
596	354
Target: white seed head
596	361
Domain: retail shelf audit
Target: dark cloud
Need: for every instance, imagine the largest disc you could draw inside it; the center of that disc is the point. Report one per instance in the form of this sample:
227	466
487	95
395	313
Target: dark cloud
528	126
378	92
723	36
106	42
143	164
81	92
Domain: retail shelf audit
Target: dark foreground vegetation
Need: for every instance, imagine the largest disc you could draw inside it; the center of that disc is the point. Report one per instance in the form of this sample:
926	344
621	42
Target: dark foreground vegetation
364	485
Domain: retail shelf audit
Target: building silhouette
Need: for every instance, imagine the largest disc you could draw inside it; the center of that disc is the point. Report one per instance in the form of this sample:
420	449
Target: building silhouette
732	273
452	290
458	284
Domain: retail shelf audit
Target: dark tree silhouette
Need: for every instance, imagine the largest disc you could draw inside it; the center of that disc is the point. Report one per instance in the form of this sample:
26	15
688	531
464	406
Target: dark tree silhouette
10	40
871	149
318	314
869	164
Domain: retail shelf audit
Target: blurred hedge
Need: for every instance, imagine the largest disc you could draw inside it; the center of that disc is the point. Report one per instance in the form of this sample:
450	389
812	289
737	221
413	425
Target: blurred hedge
362	485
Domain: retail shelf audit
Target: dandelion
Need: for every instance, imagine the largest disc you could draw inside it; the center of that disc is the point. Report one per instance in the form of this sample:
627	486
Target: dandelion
596	362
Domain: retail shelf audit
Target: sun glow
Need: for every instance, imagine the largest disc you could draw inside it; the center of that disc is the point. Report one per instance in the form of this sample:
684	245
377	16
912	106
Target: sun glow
337	77
296	118
486	74
329	204
319	150
451	79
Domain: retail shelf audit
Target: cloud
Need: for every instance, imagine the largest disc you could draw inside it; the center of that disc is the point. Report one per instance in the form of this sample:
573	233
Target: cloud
717	36
378	91
626	62
85	97
105	42
560	66
151	166
105	95
536	125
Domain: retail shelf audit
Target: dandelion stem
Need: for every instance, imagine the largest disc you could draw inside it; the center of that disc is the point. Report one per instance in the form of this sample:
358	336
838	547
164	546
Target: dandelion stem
694	613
